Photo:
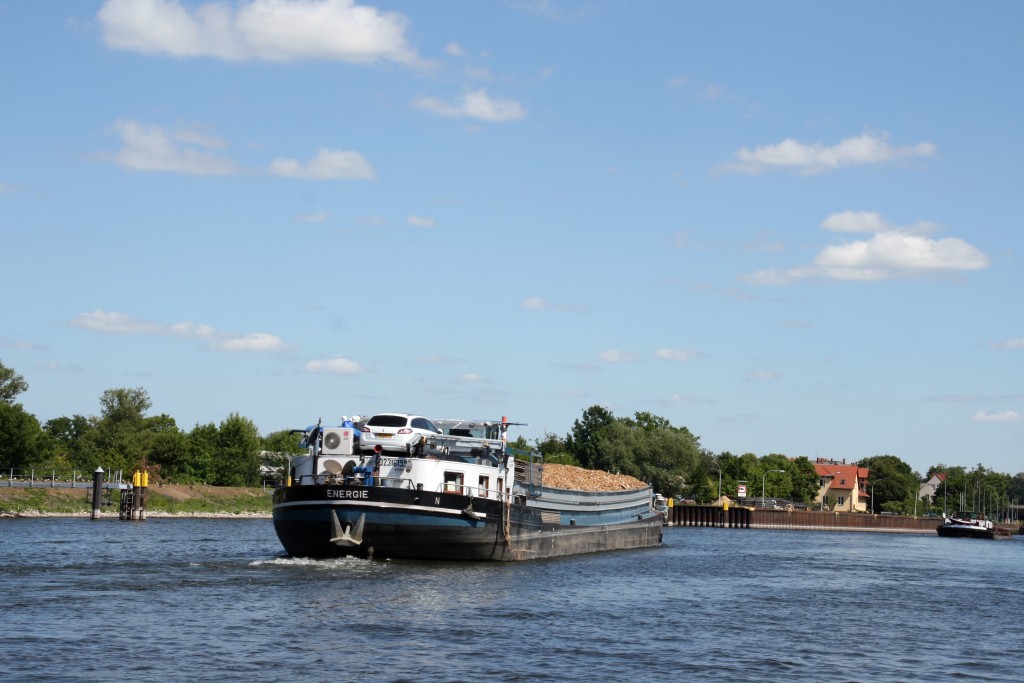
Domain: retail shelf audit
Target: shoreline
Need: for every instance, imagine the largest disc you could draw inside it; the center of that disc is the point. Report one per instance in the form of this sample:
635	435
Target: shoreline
150	514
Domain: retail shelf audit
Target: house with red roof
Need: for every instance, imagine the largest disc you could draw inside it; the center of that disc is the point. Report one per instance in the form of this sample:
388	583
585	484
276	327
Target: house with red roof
843	487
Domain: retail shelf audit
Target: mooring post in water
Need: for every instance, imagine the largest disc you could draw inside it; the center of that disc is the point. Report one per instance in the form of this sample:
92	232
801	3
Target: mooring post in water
142	494
97	491
136	483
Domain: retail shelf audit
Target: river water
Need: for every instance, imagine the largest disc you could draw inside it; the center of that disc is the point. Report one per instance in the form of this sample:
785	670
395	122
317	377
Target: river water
216	600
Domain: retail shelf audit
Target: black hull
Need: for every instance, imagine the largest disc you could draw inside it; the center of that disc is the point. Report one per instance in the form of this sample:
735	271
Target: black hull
340	521
949	531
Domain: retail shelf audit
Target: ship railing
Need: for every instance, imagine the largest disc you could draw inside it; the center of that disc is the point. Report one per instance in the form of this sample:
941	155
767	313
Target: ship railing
467	490
394	482
465	449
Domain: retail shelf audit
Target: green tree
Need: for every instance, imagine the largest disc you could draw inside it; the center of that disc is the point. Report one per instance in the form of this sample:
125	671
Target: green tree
277	448
23	443
197	467
554	449
892	483
69	436
167	447
805	480
646	446
584	443
121	440
237	461
125	405
699	486
11	384
1015	489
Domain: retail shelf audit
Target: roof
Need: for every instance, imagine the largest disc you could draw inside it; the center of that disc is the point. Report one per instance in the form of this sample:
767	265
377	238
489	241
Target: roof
844	477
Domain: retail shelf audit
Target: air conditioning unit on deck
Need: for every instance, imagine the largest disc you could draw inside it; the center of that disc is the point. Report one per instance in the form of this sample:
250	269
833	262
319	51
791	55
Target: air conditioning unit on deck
338	441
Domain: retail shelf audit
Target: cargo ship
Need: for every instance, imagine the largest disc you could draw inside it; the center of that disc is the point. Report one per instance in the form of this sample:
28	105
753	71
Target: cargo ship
459	493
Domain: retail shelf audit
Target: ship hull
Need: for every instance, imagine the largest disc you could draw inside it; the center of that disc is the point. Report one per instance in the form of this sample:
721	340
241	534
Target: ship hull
963	531
327	521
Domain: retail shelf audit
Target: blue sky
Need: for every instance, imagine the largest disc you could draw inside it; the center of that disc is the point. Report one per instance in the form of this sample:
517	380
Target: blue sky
792	227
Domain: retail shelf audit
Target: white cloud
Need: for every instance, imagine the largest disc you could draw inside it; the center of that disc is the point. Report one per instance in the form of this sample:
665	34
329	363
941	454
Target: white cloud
1011	344
873	222
421	222
272	30
6	343
433	359
254	341
469	378
112	322
339	365
57	367
678	354
538	304
539	8
892	252
327	165
454	50
476	105
319	217
617	356
816	158
1005	417
762	376
154	148
685	400
677	82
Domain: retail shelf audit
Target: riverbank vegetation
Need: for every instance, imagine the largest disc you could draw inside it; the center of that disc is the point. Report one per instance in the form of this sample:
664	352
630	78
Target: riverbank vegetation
183	500
233	454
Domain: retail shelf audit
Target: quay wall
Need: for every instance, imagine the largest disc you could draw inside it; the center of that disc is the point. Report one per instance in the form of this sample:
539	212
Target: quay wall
807	520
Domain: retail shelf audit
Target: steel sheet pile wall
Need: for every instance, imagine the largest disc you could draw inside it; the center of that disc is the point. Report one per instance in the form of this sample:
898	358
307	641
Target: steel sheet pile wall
707	515
747	518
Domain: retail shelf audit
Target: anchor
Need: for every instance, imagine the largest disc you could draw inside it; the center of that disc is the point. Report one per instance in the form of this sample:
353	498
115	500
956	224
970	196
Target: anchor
353	535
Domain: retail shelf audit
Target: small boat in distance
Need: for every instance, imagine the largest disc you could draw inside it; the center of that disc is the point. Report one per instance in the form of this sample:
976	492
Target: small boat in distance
459	494
972	525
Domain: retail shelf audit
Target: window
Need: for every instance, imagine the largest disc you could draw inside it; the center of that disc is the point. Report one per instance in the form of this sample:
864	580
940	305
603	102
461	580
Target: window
485	483
453	482
387	421
841	500
424	423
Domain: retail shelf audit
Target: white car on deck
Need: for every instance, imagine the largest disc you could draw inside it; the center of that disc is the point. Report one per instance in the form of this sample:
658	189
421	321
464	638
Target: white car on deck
396	432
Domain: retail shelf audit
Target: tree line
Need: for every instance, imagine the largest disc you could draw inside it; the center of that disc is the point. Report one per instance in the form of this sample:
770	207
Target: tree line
645	446
123	437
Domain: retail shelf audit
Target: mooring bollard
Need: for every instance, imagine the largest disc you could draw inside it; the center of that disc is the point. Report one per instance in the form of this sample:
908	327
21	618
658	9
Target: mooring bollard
144	481
97	491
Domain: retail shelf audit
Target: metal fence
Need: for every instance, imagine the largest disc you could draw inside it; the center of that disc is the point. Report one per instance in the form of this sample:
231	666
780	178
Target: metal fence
32	477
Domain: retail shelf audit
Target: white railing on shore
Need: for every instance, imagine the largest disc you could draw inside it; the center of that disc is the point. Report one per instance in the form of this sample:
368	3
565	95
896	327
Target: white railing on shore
30	476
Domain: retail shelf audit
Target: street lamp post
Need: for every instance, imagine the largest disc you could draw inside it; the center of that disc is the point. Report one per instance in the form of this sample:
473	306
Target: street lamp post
763	478
718	464
945	494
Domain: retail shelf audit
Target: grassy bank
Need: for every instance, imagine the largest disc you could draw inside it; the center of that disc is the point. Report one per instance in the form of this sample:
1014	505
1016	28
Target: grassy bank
161	500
